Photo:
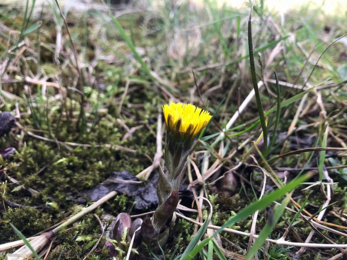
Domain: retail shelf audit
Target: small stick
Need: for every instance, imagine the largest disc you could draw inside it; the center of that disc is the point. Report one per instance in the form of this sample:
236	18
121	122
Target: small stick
84	211
242	107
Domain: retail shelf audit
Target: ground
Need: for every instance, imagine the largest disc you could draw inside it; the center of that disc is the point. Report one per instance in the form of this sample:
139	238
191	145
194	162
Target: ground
87	95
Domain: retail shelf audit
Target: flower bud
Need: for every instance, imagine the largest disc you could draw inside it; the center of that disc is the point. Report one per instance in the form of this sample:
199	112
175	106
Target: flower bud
121	226
229	183
138	237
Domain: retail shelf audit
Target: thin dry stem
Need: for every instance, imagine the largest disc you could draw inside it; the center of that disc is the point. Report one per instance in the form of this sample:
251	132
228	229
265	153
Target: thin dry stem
295	120
243	106
123	96
278	241
255	215
101	236
118	147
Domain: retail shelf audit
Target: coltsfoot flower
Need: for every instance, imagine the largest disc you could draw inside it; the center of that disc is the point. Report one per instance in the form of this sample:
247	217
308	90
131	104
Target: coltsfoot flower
184	123
185	119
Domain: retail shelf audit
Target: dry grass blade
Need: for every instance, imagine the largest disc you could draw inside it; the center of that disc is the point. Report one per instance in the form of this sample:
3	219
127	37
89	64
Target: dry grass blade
14	244
39	242
274	241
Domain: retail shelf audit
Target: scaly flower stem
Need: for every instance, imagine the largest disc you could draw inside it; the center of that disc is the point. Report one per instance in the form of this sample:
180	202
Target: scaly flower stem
184	123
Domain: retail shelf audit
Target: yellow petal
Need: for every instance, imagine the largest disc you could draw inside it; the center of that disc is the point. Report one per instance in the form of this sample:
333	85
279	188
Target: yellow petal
189	115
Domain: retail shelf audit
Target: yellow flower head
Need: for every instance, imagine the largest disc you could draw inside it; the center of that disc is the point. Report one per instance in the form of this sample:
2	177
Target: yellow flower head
185	119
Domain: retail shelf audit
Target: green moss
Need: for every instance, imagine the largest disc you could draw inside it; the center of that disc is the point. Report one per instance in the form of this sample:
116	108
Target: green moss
58	171
182	233
27	220
123	203
77	241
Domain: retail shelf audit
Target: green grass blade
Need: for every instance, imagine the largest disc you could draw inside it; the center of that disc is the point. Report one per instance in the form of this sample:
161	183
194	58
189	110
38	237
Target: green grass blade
131	45
174	253
246	130
218	27
265	201
26	242
25	22
219	253
299	212
61	253
254	81
210	250
26	19
136	54
264	234
214	114
10	20
32	28
208	137
283	104
31	12
192	245
249	210
260	49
